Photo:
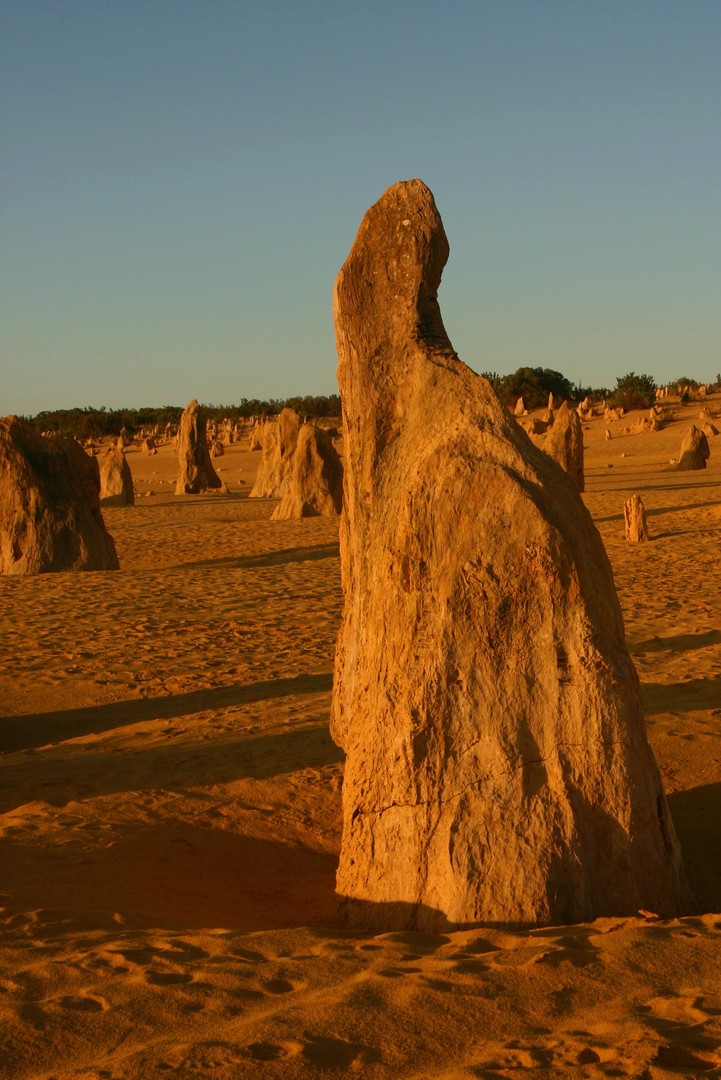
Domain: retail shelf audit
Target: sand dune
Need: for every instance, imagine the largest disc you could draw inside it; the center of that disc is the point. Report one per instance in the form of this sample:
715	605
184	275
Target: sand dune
170	811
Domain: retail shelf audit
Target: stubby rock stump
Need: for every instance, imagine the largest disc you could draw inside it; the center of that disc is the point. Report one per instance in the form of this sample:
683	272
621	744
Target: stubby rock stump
634	515
196	472
279	441
497	767
315	485
50	516
694	450
116	480
565	444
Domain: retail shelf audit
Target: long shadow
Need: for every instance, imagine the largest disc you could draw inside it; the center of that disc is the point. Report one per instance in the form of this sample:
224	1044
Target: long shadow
270	558
696	815
645	486
661	510
678	643
171	876
38	729
70	773
691	696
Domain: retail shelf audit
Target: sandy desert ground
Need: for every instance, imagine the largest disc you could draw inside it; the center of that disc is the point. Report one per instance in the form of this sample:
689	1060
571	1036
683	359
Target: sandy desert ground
170	809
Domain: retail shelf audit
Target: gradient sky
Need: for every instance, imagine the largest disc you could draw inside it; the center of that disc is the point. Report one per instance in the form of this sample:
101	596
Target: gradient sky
182	179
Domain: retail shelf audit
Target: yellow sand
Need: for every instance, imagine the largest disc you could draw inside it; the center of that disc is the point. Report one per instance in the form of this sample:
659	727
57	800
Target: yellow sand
170	808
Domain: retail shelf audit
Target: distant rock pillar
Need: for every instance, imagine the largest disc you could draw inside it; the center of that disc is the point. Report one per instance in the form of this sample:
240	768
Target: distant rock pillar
497	766
195	469
634	514
565	444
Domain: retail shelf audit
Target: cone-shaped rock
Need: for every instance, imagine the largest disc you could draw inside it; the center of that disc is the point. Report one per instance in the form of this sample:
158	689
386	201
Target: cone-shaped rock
50	516
497	765
694	450
634	516
196	472
279	441
116	481
565	444
315	484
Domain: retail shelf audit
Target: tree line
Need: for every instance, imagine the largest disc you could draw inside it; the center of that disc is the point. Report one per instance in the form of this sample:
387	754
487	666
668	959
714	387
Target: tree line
533	384
90	422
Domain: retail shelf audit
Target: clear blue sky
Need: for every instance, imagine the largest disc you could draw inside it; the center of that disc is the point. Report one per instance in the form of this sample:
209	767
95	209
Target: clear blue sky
182	179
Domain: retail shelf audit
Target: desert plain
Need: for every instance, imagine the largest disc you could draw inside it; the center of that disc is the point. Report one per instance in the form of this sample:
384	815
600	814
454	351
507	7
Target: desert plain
170	812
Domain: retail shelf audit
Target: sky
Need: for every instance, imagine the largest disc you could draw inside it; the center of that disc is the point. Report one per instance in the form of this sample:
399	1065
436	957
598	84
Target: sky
180	181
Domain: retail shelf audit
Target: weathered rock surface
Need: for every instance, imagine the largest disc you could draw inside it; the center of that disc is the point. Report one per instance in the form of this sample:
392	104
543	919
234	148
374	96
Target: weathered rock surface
196	472
50	516
694	450
116	480
279	441
565	444
520	409
315	484
497	764
634	515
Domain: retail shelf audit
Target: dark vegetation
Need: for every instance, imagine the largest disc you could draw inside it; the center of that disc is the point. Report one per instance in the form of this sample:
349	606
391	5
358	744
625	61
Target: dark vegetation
533	384
90	422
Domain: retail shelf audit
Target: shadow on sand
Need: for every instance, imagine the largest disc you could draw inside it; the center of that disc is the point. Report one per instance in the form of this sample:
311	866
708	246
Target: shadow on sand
268	558
696	815
39	729
693	695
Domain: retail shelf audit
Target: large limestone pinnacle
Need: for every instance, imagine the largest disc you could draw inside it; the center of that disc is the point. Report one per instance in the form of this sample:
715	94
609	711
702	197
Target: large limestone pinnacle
498	769
195	468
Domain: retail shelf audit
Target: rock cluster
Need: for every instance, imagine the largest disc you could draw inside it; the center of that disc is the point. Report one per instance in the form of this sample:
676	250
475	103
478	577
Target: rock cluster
497	763
50	516
315	482
196	472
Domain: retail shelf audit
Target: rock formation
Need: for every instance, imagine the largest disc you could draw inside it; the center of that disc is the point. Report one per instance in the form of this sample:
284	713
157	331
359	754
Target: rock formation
116	481
497	763
634	515
217	449
256	437
196	472
279	441
565	444
694	450
149	446
520	409
50	516
315	483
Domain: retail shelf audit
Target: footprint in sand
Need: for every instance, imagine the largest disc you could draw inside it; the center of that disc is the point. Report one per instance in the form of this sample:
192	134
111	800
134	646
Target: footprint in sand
168	978
86	1003
338	1054
269	1051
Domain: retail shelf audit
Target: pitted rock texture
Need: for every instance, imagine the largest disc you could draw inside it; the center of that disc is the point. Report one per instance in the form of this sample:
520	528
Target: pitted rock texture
497	769
196	472
116	480
565	444
315	484
50	516
279	441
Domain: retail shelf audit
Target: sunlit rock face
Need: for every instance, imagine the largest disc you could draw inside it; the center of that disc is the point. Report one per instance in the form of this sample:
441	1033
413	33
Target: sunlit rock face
195	469
50	518
279	438
564	444
498	769
116	480
315	482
